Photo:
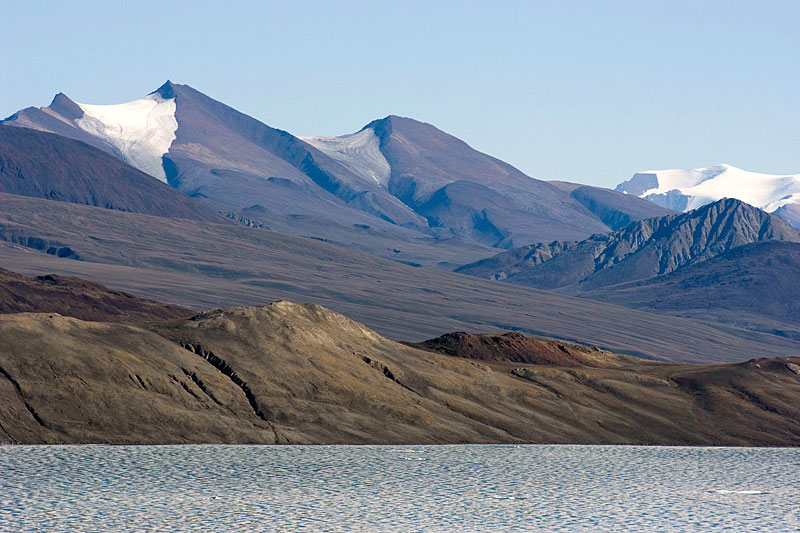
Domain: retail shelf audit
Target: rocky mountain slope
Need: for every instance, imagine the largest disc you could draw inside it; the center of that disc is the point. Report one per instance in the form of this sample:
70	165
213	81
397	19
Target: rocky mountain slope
642	250
200	265
44	165
78	298
753	286
288	373
395	176
456	188
225	157
689	189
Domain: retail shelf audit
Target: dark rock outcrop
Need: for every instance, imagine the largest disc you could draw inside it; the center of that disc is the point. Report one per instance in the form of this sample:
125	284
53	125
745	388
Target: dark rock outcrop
518	348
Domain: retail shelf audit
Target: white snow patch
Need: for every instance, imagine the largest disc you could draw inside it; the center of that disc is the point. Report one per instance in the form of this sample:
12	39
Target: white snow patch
142	130
360	152
706	185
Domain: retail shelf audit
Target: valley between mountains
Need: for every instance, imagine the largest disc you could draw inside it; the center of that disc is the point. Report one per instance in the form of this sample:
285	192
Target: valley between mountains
150	252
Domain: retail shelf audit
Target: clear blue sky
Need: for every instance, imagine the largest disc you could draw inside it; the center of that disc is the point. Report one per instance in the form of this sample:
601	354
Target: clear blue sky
584	91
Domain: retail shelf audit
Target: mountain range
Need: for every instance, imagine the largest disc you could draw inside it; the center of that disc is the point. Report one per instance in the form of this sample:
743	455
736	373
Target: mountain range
643	249
610	319
703	263
684	190
398	189
396	176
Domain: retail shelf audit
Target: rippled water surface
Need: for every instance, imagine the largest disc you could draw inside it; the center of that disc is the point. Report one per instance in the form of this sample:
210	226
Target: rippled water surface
398	488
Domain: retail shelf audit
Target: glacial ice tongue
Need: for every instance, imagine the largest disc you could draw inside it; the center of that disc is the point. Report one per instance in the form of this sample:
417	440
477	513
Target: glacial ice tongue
142	130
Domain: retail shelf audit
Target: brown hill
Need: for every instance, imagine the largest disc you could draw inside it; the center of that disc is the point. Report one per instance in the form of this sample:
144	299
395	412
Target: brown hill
291	373
78	298
519	348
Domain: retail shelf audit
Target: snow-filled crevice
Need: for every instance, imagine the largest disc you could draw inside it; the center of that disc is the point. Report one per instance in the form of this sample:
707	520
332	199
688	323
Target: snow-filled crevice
359	152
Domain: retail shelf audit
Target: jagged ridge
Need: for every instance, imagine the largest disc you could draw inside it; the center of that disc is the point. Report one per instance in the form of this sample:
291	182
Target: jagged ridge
641	250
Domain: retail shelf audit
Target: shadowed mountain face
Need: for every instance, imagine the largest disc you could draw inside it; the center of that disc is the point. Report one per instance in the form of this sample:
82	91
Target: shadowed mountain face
615	210
43	165
230	158
287	373
753	286
78	298
639	251
395	176
200	265
455	186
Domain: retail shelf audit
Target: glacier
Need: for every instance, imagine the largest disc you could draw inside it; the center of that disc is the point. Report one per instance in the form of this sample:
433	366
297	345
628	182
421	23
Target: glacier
142	130
686	189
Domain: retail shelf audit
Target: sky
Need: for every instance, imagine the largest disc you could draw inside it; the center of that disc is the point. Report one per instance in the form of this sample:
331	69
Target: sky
566	90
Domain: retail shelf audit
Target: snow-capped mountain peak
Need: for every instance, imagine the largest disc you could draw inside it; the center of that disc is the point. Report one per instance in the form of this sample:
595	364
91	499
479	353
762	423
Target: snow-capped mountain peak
686	189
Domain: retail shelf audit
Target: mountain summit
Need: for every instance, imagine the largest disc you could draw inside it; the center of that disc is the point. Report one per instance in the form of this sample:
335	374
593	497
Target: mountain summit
457	188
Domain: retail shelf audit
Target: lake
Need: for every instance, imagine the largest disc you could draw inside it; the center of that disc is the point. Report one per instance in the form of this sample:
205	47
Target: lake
398	488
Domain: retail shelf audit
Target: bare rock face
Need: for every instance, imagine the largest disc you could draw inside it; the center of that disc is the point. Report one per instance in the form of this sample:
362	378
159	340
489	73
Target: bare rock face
289	373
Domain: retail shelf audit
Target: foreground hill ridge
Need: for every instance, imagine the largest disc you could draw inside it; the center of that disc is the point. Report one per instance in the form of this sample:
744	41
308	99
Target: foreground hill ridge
644	249
298	373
